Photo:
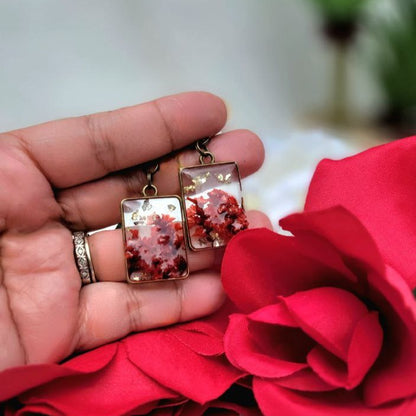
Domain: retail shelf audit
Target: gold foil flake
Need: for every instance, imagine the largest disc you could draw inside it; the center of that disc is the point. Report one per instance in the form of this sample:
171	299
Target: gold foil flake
198	181
224	178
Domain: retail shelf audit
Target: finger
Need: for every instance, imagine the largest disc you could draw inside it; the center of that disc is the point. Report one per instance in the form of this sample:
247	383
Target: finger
107	252
258	219
83	205
111	310
80	149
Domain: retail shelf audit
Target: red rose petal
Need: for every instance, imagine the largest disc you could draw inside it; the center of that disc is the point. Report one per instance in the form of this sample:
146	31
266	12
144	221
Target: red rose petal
173	364
364	348
268	264
276	314
200	342
378	187
317	247
36	409
394	373
244	353
328	315
340	228
218	408
273	399
16	380
93	360
305	380
117	389
44	409
251	255
207	326
205	336
280	342
162	408
329	367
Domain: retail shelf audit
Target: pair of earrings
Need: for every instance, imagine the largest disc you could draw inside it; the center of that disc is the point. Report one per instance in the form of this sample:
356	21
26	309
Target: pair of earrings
157	229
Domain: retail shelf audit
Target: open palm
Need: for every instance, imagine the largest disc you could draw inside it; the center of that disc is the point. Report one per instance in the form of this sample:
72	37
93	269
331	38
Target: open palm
70	175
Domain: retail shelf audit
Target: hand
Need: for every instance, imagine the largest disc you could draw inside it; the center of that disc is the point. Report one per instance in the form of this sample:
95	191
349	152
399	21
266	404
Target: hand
71	175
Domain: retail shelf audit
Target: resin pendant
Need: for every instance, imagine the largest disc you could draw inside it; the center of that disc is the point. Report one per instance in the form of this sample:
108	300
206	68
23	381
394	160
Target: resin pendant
213	203
153	236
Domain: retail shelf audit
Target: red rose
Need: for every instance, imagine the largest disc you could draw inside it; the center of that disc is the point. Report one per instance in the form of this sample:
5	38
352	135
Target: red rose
143	372
378	186
328	322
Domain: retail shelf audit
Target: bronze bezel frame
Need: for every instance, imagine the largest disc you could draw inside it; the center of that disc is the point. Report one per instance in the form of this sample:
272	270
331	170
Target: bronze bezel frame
141	198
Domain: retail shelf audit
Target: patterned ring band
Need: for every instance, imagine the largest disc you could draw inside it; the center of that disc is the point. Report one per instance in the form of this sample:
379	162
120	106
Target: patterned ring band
83	257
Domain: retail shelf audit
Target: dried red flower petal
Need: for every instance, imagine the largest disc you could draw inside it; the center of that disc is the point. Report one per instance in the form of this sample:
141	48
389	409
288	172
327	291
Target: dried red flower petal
216	219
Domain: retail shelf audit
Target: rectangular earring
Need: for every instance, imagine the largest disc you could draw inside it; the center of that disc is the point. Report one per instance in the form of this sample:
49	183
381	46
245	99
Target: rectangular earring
212	199
153	235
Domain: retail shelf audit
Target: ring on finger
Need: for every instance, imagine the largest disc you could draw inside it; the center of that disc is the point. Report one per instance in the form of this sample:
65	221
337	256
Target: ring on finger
83	259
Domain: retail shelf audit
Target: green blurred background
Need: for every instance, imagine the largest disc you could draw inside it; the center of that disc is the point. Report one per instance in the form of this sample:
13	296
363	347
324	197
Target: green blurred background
384	35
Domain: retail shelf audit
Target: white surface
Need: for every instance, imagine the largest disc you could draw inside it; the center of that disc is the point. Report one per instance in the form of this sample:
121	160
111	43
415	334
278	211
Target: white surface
280	187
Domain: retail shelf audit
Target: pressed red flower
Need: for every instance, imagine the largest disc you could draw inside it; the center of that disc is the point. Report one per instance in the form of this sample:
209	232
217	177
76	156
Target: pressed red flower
196	215
157	256
216	218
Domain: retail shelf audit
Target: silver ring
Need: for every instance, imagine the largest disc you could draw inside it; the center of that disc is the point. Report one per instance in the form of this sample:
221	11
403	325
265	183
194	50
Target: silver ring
83	257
